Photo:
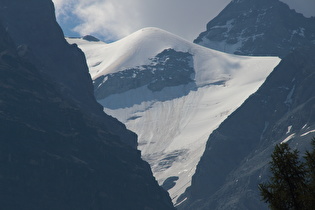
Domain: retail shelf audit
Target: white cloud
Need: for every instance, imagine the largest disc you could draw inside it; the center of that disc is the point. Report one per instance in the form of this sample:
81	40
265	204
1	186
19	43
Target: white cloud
63	7
111	19
114	19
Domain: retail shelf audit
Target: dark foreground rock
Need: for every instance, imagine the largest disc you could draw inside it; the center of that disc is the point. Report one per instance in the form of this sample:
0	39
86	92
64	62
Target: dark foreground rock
58	150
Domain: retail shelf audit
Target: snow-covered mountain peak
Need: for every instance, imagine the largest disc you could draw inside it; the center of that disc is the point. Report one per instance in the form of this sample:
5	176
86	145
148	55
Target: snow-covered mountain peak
133	50
139	48
152	35
172	93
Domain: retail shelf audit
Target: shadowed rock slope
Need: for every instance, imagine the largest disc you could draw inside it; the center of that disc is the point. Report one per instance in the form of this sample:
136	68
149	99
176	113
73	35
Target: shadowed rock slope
33	27
58	150
237	153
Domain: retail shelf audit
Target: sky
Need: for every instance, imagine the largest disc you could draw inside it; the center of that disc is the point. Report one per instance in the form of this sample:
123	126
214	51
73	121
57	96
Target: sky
111	20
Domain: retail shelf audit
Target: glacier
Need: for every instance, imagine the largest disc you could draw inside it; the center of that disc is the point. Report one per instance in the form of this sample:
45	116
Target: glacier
174	123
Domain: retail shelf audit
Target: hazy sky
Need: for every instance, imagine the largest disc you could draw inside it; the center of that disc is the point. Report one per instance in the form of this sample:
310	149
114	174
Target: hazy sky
113	19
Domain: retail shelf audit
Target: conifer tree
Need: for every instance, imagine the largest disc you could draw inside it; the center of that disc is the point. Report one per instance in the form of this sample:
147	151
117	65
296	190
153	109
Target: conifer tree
310	167
287	186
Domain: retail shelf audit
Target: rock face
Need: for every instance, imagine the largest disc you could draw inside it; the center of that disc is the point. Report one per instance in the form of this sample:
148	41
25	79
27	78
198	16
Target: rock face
90	38
58	150
37	34
167	69
237	153
254	27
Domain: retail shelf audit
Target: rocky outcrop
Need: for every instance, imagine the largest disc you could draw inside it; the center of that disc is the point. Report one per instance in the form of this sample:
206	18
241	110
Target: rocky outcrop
167	69
254	27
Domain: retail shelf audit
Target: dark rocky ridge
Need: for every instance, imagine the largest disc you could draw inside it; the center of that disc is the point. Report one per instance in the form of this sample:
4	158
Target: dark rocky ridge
33	27
167	69
90	38
55	151
255	27
237	153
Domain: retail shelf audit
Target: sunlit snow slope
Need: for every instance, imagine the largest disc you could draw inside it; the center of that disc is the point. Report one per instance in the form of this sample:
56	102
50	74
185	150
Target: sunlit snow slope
172	116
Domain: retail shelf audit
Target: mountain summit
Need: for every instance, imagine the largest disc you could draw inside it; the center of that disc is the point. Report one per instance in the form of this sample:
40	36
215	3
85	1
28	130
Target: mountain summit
172	93
255	27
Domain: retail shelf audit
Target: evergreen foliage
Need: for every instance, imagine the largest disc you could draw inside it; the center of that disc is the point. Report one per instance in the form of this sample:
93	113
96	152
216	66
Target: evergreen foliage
310	167
292	184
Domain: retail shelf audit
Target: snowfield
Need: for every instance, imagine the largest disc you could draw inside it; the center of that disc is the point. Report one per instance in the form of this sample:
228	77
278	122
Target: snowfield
173	124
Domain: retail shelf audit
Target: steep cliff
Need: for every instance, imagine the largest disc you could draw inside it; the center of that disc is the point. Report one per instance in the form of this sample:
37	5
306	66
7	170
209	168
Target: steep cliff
33	27
58	150
237	153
